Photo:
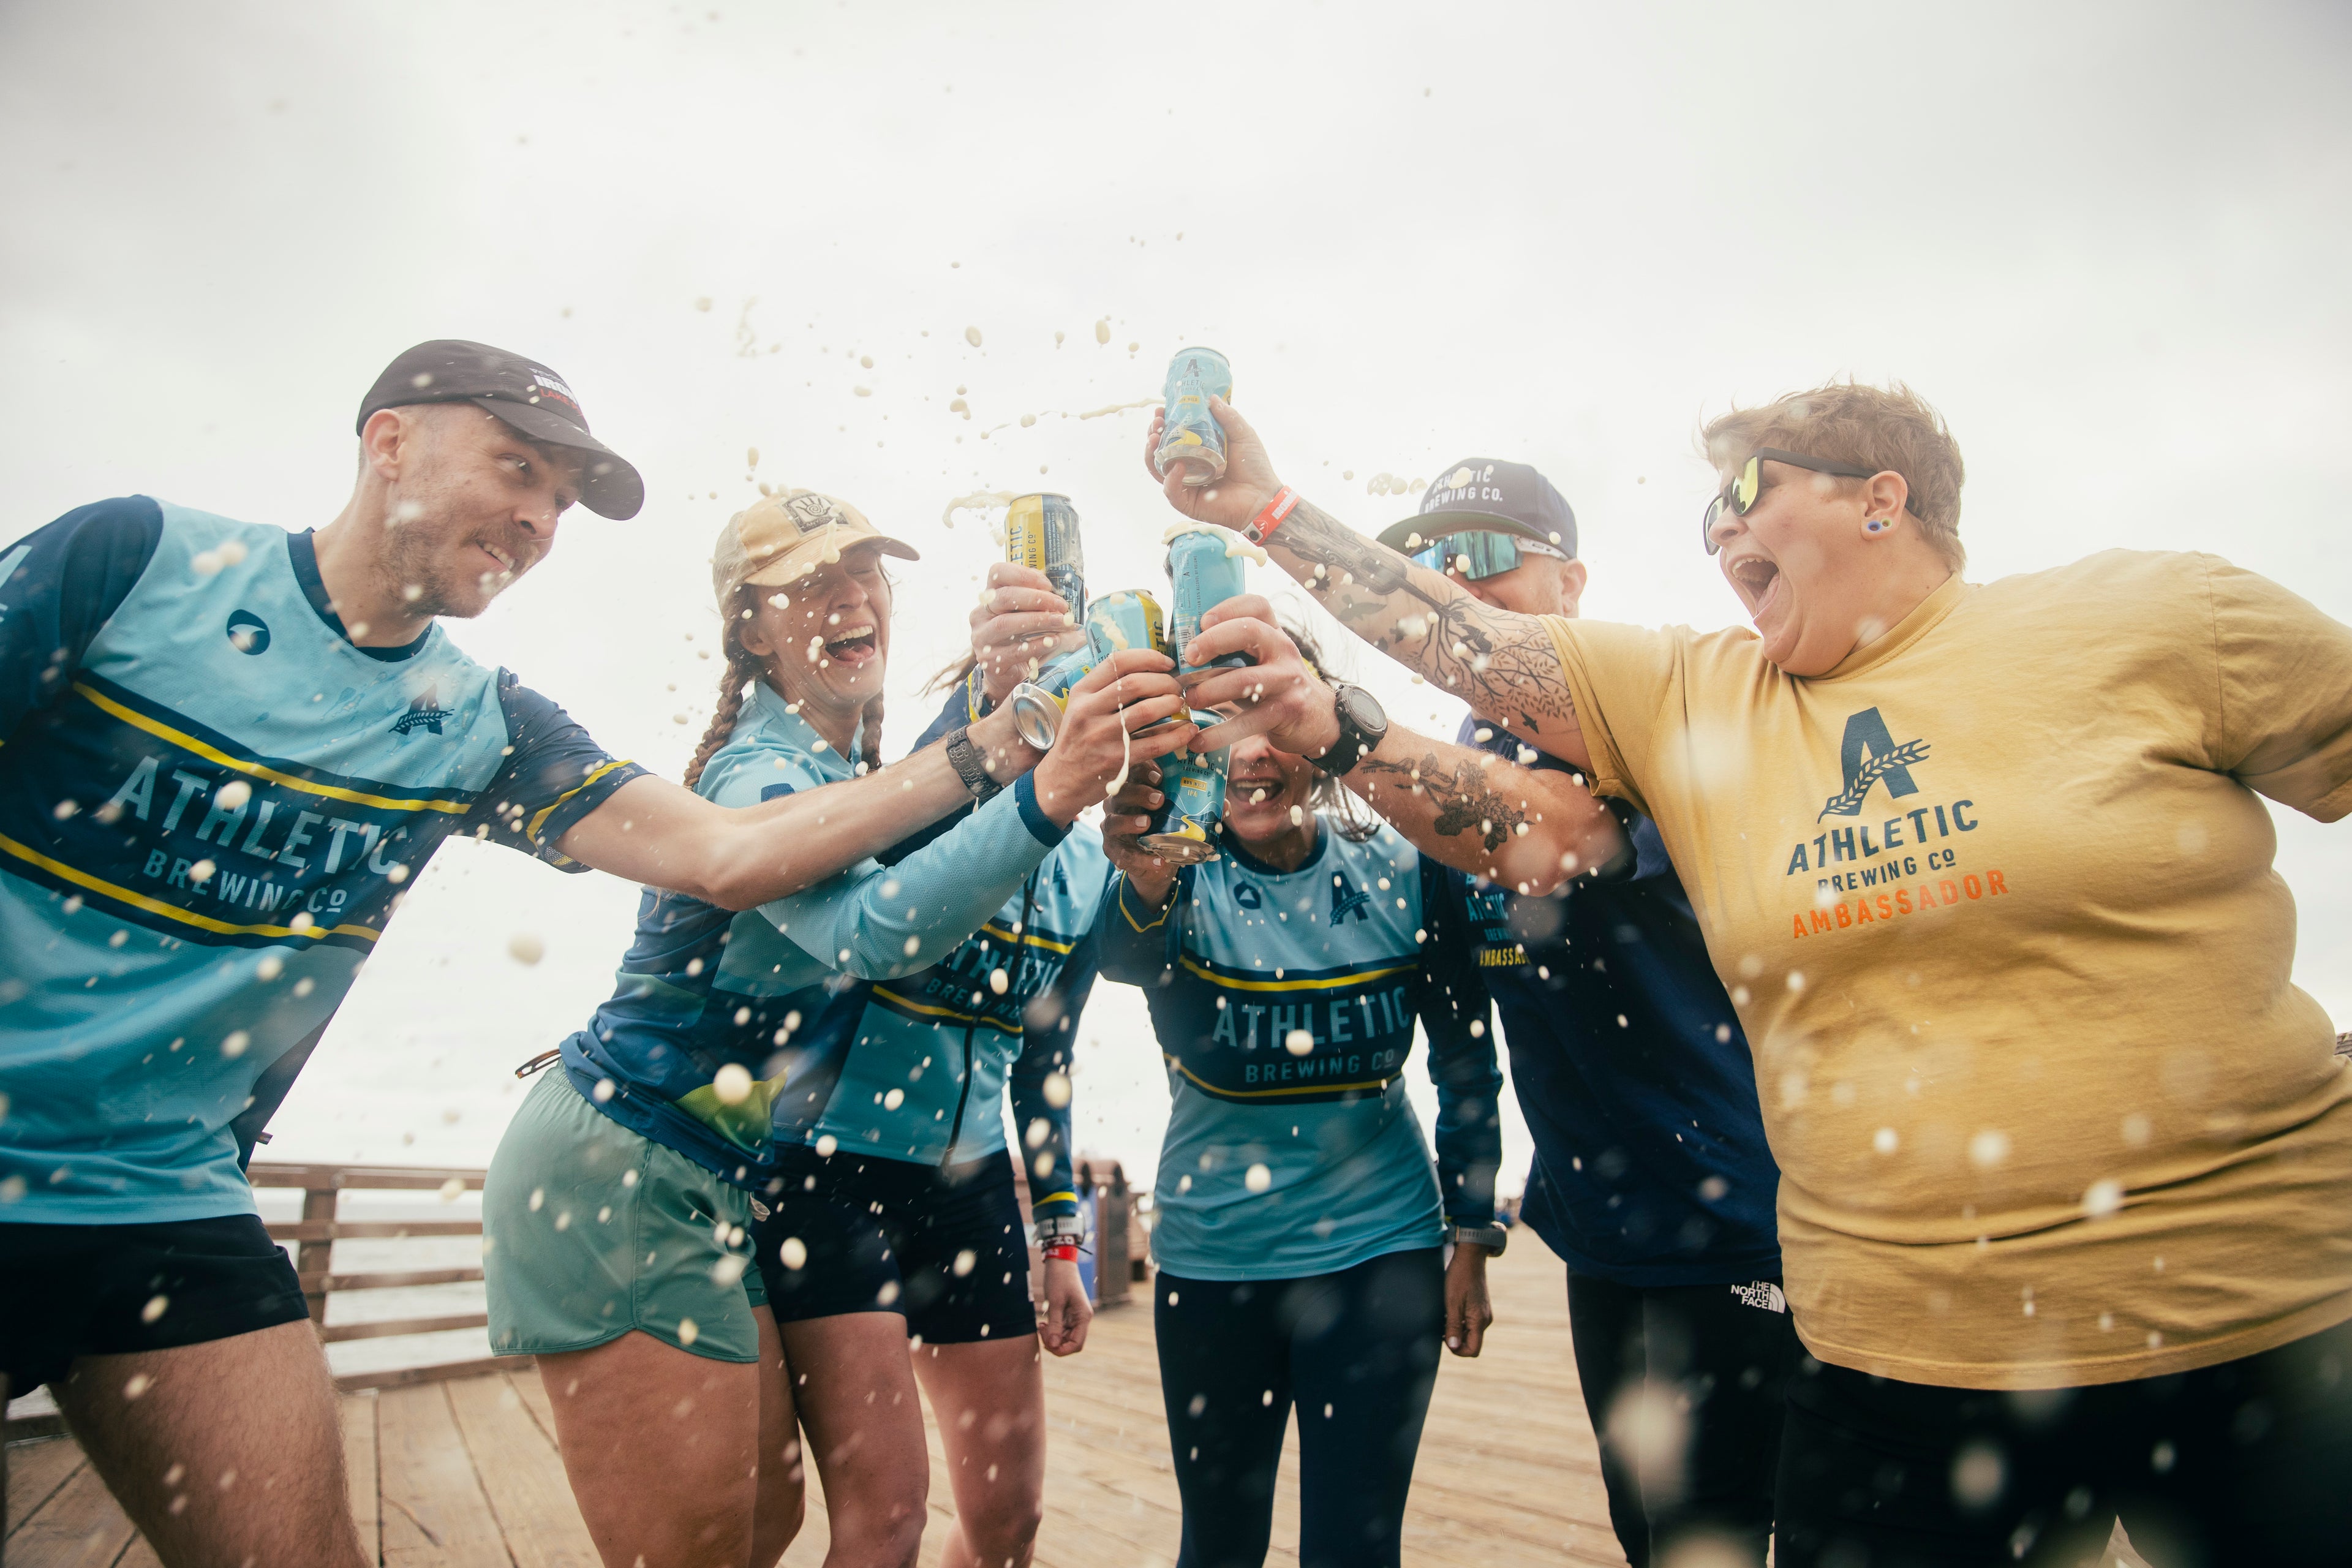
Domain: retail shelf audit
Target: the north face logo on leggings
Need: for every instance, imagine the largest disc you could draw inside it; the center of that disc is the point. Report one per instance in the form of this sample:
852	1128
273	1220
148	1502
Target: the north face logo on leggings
1763	1295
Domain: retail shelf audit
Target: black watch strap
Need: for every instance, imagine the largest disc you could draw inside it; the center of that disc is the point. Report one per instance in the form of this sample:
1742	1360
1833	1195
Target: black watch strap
1353	744
965	758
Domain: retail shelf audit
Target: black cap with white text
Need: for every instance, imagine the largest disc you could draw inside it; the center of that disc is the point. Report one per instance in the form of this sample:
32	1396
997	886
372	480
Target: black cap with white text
523	393
1482	495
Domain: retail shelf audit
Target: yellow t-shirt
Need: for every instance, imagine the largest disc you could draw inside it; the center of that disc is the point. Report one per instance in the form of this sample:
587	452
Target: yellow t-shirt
1994	900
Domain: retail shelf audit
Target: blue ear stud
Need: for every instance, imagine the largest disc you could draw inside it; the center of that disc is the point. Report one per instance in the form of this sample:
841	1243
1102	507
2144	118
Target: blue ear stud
1875	527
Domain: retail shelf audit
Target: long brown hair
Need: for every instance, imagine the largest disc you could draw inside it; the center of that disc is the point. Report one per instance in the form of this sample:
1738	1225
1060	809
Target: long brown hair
742	667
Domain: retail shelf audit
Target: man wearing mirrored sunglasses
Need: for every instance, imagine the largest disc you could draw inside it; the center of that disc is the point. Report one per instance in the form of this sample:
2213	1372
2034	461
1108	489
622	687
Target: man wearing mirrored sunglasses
1652	1179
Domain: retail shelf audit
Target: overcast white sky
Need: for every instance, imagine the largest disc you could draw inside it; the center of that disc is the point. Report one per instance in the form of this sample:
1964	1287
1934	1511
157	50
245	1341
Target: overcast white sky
2108	240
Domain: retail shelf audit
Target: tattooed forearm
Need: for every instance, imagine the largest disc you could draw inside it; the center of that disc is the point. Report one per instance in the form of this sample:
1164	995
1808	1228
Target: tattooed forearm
1503	664
1462	795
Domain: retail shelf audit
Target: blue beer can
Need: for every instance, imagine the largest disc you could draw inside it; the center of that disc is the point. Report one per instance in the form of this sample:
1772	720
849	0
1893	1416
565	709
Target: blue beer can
1184	829
1205	575
1129	618
1192	440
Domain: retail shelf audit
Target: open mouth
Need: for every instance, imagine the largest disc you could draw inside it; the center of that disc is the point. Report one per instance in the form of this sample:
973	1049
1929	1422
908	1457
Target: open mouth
506	564
1253	791
1757	579
854	647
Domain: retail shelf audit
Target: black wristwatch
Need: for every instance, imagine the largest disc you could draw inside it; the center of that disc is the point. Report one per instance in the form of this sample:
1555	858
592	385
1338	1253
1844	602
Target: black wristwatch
965	758
1363	725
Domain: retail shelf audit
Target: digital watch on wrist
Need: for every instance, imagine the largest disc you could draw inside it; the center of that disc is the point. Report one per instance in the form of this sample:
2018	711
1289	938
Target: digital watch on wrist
1493	1237
1363	725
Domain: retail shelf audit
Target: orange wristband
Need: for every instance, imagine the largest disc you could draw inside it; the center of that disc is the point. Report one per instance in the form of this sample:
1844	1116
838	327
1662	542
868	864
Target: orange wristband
1068	1252
1270	516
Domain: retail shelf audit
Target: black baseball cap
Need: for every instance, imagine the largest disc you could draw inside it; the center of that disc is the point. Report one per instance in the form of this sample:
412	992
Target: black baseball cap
522	392
1480	495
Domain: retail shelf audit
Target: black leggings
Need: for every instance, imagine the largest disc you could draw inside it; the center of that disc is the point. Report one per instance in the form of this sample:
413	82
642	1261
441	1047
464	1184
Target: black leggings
1355	1350
1683	1385
2247	1462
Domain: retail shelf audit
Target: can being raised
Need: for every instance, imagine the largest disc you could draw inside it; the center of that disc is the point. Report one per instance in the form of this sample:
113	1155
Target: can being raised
1129	618
1184	829
1205	574
1041	532
1191	439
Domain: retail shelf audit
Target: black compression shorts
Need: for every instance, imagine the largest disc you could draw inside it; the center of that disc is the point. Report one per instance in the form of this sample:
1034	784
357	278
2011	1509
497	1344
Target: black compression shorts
73	1291
943	1245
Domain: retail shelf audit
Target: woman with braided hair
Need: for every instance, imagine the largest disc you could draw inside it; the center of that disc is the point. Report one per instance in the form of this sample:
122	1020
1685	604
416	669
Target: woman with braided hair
618	1211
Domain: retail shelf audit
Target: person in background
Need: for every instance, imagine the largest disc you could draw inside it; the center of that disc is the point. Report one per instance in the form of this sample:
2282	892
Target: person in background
1651	1177
1299	1235
621	1215
229	749
2063	1149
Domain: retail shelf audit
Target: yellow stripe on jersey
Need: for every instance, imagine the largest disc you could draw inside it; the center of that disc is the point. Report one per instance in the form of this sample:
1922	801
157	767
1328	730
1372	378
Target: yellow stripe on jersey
213	754
928	1011
1279	1093
540	821
1334	983
173	912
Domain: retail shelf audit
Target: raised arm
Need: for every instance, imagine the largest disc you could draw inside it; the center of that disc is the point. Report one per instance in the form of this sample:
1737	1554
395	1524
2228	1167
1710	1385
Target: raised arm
657	833
1501	663
1524	828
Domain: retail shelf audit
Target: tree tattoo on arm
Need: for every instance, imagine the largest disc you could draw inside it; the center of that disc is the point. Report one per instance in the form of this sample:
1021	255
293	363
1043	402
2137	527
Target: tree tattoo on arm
1464	799
1498	662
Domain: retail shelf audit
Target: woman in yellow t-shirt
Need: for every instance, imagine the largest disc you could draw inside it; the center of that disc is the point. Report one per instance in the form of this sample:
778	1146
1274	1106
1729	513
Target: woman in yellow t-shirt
2066	1193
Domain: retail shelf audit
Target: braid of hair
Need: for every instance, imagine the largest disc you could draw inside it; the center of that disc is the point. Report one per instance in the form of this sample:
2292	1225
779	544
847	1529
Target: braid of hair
735	679
870	751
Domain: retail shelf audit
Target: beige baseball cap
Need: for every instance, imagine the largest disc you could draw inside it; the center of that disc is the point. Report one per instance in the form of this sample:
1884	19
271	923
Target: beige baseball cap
784	536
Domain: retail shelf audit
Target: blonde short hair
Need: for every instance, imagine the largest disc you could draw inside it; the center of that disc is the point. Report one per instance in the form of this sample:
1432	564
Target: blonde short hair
1881	428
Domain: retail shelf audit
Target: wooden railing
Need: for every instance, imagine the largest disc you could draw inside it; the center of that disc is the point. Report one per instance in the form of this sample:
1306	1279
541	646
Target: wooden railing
322	1226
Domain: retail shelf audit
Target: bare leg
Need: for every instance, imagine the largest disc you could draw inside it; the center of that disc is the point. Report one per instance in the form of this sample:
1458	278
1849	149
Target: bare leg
857	1403
990	1399
223	1453
783	1499
663	1449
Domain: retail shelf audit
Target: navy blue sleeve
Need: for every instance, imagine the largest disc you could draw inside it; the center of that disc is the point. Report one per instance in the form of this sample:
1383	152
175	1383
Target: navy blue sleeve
1140	944
555	774
59	586
950	715
1459	1020
1049	1026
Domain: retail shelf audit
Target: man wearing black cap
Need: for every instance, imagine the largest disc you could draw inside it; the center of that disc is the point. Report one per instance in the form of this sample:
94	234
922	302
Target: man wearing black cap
224	751
1652	1179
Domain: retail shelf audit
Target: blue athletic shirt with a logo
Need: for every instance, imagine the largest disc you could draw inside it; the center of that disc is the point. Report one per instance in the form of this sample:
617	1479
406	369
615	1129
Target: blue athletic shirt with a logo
1651	1166
1282	1162
210	801
821	998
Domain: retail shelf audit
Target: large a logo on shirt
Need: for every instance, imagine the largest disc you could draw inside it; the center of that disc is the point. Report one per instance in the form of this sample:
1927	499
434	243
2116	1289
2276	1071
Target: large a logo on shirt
1868	756
1908	862
1346	901
425	712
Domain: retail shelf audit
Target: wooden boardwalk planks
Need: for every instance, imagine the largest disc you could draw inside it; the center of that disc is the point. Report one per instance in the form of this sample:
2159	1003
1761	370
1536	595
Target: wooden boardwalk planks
435	1512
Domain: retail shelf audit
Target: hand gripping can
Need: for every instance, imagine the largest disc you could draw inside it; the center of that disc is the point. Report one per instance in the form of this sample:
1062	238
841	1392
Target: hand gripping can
1204	575
1125	619
1184	829
1042	531
1192	439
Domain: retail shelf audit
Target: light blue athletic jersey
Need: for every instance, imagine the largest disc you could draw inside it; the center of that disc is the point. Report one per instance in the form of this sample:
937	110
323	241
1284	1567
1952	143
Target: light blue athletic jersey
821	997
210	801
1285	1004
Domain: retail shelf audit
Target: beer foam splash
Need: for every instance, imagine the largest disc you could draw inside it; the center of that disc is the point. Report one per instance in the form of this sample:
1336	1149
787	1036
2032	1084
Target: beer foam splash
979	501
1234	543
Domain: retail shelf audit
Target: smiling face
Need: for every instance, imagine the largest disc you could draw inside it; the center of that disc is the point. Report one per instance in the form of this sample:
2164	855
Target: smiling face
469	505
1802	561
825	635
1261	786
